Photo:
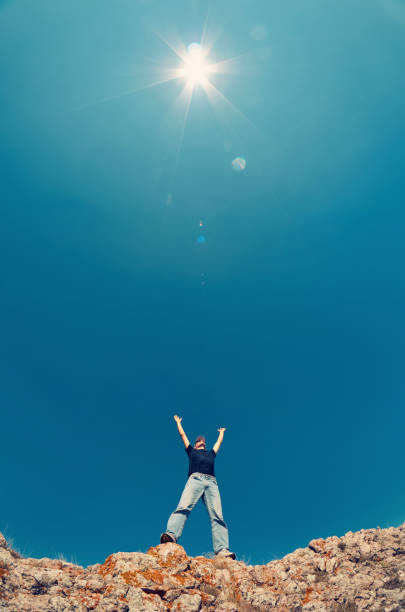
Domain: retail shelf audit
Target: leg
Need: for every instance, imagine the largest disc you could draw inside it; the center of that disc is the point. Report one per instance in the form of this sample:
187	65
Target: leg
212	501
191	494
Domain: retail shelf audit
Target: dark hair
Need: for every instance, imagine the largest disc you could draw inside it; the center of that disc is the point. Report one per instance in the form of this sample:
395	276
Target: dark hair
199	438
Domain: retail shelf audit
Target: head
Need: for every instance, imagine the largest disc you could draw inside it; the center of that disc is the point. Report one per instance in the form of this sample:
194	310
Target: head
200	443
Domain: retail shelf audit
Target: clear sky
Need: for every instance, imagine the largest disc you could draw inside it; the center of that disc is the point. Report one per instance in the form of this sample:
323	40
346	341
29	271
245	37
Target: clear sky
281	317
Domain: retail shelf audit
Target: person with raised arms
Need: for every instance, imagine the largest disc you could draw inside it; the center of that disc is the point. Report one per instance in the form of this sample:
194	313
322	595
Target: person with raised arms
202	484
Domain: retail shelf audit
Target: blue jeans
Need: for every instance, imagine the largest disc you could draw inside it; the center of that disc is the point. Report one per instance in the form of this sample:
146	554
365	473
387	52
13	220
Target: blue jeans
205	486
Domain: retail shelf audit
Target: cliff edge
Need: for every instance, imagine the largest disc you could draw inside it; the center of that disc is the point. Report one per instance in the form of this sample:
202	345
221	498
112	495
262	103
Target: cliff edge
360	571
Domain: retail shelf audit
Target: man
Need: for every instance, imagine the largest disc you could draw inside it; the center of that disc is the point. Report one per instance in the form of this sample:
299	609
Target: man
201	483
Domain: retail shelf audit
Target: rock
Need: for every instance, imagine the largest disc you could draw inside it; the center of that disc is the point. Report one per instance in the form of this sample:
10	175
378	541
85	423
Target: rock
365	570
187	603
226	607
6	558
172	594
141	602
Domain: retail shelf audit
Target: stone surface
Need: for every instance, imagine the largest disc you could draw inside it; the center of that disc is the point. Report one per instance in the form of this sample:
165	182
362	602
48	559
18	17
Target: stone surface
360	571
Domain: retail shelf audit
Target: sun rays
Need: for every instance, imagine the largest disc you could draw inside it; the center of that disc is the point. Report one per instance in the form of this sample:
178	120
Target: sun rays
195	69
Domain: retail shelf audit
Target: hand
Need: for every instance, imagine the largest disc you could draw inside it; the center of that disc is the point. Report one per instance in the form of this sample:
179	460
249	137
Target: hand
177	418
222	429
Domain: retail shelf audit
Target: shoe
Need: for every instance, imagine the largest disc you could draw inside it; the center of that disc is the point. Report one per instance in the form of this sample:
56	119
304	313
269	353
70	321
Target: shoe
224	552
167	537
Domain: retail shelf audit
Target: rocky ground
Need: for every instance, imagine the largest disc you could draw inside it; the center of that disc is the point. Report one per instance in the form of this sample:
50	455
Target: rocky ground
360	571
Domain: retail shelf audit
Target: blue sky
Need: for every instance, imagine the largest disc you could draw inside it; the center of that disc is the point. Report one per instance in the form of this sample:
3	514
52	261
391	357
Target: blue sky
285	325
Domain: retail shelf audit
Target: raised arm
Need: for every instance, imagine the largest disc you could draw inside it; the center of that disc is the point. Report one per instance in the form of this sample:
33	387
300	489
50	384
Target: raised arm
220	438
181	430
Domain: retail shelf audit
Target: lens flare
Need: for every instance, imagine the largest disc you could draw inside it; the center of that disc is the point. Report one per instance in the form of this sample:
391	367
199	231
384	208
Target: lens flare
239	164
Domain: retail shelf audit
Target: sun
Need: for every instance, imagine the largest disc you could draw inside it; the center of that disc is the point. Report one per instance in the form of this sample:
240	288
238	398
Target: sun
195	67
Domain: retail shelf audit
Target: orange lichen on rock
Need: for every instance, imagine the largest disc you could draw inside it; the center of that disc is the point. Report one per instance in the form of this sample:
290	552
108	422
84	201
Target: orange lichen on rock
307	595
87	597
205	597
180	578
109	590
170	563
131	578
319	543
171	559
156	576
108	566
134	578
235	588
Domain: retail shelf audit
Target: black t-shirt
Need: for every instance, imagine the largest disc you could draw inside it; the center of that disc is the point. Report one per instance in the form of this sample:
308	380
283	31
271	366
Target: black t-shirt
200	461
